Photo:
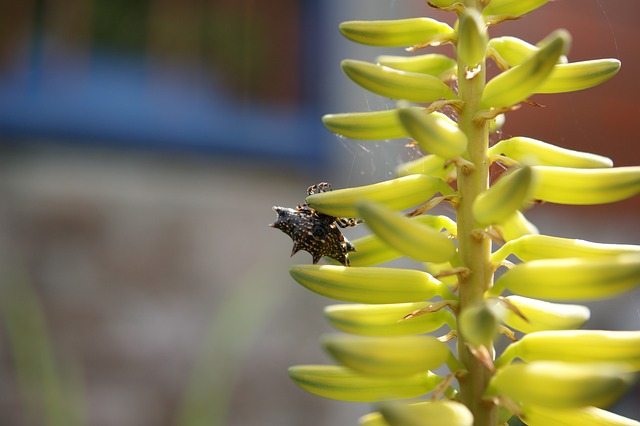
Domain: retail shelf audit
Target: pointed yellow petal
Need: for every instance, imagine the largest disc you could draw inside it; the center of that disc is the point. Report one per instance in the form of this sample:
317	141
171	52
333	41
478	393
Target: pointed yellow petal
397	194
431	413
560	384
518	83
472	38
535	247
572	278
405	235
347	385
541	315
387	356
504	198
578	346
369	284
395	84
396	32
387	319
585	416
432	63
376	125
435	133
371	250
431	165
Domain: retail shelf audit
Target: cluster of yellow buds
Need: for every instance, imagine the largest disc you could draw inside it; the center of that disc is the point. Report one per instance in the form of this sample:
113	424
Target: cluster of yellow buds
552	373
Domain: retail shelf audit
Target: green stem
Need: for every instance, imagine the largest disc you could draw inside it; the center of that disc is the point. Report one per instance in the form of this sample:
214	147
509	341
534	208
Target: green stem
474	253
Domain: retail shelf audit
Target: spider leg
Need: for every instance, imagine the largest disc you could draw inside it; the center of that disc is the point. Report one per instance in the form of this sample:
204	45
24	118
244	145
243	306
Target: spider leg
344	222
319	188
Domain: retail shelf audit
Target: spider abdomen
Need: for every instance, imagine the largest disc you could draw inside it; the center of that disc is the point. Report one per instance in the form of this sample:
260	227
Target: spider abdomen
314	233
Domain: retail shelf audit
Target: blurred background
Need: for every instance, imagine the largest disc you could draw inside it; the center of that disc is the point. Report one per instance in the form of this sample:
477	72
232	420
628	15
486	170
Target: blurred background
142	145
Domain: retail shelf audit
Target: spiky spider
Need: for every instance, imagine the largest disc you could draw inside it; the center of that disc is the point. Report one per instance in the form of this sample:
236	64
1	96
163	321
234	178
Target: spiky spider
315	232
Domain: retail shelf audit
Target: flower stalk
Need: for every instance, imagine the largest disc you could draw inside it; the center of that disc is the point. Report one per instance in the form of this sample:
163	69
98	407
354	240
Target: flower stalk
474	249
